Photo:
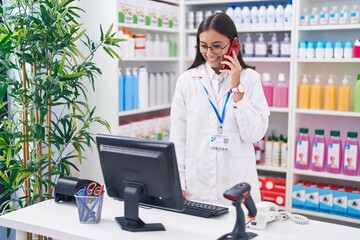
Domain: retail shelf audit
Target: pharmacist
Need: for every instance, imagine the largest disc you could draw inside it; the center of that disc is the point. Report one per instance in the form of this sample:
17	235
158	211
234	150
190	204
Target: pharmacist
216	116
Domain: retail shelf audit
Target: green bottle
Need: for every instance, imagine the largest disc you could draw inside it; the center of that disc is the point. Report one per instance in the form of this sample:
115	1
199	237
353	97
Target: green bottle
357	95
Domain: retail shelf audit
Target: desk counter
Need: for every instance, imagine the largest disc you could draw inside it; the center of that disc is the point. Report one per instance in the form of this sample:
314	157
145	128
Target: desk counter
60	221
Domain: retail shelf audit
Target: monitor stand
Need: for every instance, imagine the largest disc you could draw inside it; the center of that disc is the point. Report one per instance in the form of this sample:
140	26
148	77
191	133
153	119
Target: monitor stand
131	221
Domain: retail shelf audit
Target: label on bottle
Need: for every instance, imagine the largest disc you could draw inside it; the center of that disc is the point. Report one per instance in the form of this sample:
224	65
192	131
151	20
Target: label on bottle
317	156
304	20
302	152
354	17
350	157
333	160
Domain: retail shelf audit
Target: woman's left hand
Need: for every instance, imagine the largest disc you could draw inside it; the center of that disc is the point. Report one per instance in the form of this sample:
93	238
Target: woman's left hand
235	68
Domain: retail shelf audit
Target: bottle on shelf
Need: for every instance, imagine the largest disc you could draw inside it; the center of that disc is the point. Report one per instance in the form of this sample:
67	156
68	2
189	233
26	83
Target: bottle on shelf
338	50
344	95
121	91
355	15
262	15
348	50
129	89
273	46
276	152
357	95
302	149
135	92
334	15
304	17
330	94
304	93
260	46
310	50
268	88
248	46
351	155
318	151
159	89
281	92
334	153
316	90
283	153
314	16
324	16
302	49
143	88
285	46
288	14
230	11
270	15
320	50
246	16
268	151
152	90
344	15
238	16
254	12
329	50
279	15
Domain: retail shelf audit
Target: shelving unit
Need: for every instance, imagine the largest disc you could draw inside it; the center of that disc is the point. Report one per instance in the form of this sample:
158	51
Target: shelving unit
282	120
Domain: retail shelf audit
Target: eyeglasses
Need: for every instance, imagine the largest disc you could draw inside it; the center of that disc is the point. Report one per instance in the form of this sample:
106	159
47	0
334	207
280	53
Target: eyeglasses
215	49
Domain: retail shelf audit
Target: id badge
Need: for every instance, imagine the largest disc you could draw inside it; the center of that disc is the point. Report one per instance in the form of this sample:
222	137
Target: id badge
219	142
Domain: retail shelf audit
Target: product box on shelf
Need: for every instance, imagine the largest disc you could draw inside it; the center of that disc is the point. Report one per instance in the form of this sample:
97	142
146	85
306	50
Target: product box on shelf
275	184
299	194
312	197
340	206
276	197
354	204
326	198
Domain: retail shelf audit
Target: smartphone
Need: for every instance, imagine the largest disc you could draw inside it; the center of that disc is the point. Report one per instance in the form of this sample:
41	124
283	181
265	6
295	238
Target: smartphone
235	45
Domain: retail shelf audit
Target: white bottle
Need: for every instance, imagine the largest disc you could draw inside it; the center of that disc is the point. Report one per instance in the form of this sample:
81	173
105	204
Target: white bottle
338	50
329	50
324	16
279	15
285	46
143	88
348	49
270	15
238	16
302	50
314	16
152	90
320	50
248	46
254	12
304	18
273	46
159	89
135	94
246	16
355	15
310	51
230	11
172	85
262	15
344	15
260	46
190	20
288	15
165	88
157	46
165	47
334	15
149	46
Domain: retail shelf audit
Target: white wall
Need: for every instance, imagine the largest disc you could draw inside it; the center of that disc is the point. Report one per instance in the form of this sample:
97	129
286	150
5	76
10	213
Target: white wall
105	96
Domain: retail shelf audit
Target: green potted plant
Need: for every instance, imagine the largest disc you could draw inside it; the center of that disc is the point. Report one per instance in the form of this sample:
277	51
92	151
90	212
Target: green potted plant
46	127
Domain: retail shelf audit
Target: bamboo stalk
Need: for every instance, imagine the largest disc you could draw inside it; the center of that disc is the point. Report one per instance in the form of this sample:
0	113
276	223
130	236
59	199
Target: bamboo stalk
48	124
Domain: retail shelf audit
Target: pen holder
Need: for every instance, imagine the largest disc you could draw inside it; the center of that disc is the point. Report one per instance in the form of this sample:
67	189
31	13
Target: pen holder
89	207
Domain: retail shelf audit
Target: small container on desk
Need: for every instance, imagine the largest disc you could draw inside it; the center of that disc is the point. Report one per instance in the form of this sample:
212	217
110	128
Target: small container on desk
89	207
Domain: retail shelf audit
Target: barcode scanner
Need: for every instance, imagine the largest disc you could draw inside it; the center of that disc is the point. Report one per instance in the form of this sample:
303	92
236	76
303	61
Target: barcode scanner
240	193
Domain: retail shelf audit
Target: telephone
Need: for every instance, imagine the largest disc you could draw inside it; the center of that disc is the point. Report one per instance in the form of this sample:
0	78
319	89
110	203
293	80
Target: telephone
269	212
235	45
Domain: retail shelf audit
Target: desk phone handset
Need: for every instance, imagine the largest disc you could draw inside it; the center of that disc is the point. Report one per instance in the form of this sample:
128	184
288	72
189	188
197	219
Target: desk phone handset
269	212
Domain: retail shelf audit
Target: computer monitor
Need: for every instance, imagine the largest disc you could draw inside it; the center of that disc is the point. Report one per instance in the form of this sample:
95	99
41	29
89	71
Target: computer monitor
140	171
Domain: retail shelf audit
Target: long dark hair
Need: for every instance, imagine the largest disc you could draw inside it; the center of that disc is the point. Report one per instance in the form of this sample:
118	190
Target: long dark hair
223	24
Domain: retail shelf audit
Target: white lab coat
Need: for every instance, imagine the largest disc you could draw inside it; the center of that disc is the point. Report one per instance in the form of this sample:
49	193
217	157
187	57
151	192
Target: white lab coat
205	174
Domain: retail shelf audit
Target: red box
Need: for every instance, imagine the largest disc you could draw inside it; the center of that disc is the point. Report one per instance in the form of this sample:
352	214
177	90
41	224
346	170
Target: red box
276	197
275	184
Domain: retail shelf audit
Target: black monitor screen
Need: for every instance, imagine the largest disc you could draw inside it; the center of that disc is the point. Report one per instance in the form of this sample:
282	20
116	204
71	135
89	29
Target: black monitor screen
139	171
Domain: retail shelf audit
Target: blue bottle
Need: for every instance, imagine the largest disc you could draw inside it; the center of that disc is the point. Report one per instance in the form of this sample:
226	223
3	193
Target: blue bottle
121	92
128	88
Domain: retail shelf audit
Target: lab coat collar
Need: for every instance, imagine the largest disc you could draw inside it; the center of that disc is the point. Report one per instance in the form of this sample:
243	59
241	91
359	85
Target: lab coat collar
202	75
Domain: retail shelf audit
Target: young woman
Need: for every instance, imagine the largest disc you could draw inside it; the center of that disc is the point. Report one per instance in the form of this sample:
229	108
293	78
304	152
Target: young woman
216	116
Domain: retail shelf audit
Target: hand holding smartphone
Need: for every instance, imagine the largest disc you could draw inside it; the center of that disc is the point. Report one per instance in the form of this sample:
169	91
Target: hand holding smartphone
235	45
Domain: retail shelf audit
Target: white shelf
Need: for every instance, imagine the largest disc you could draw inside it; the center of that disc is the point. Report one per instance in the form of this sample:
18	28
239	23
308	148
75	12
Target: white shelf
324	215
131	112
329	27
217	2
279	110
331	60
148	28
327	175
329	113
271	168
248	30
267	59
151	59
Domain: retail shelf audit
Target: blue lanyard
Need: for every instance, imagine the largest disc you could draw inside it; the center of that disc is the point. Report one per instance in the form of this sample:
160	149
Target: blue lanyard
222	118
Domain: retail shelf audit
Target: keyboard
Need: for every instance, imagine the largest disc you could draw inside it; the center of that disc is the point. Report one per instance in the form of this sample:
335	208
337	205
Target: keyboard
204	210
